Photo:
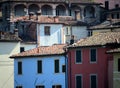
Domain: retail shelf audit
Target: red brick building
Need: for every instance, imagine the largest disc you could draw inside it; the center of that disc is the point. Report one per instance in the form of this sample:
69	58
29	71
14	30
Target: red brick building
88	64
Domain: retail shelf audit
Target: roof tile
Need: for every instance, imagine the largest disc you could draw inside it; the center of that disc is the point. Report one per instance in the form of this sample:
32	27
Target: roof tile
43	51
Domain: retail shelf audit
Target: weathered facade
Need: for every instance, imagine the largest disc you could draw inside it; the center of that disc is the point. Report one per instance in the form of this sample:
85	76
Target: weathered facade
82	11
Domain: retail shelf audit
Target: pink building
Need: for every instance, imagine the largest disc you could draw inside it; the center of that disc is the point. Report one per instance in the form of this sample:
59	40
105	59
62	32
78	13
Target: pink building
112	3
88	64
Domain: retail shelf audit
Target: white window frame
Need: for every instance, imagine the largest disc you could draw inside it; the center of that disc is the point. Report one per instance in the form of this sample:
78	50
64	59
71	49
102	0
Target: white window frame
96	80
90	55
76	56
81	79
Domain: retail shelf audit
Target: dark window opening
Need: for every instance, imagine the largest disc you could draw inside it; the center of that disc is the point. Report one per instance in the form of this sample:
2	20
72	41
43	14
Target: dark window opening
93	81
39	66
56	86
19	67
18	86
78	56
40	86
78	82
63	68
56	66
47	30
22	49
93	55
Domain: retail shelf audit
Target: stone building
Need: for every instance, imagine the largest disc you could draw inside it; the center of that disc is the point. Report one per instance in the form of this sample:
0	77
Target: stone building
86	10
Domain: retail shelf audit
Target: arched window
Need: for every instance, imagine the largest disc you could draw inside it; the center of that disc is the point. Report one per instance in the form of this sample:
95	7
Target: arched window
33	8
89	11
60	10
19	10
46	10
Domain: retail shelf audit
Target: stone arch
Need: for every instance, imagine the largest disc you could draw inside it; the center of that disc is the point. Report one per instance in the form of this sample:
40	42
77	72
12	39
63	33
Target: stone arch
33	8
60	10
89	11
46	10
76	12
19	10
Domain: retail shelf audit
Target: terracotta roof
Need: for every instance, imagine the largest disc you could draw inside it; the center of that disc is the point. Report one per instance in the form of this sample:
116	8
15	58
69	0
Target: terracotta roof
98	39
67	20
56	49
114	51
6	36
107	24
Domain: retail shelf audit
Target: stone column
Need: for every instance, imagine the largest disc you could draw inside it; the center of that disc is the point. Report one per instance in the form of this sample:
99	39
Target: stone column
82	12
54	10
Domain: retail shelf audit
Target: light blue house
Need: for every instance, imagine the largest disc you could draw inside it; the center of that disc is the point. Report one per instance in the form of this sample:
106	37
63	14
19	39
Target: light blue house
42	67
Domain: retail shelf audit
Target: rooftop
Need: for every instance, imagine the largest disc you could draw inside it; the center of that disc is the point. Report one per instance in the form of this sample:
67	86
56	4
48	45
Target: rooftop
113	23
98	39
6	36
66	20
114	51
56	49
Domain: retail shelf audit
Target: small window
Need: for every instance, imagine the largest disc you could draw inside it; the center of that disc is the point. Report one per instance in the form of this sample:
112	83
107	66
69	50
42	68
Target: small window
56	66
119	64
18	86
47	30
78	56
39	66
93	81
78	81
22	49
19	67
93	55
116	5
40	86
118	15
56	86
63	68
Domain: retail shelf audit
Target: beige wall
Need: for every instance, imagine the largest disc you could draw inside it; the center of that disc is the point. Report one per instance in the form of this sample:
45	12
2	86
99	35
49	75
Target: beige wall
116	74
6	64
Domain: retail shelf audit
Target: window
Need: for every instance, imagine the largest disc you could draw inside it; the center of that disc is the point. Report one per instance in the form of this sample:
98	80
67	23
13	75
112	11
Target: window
47	30
22	49
93	81
116	5
93	55
78	56
56	66
119	64
18	86
78	81
40	86
56	86
118	15
19	67
39	66
63	68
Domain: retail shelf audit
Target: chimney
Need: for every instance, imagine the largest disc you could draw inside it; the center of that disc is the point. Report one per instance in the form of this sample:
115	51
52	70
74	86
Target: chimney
107	5
16	32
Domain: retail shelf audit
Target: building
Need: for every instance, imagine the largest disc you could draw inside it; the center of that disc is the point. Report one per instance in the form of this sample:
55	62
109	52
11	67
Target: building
106	26
59	30
88	64
81	10
9	45
116	67
41	67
